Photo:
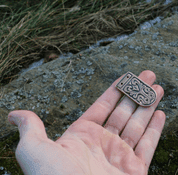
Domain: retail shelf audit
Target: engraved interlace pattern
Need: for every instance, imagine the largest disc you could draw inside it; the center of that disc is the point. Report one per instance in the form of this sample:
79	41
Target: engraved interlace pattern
140	92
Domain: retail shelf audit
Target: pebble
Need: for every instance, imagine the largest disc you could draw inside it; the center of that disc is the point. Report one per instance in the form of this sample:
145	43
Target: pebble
131	47
144	32
58	135
155	36
64	99
144	41
173	58
89	63
147	48
163	59
43	110
90	71
136	62
80	81
123	65
121	46
138	48
75	94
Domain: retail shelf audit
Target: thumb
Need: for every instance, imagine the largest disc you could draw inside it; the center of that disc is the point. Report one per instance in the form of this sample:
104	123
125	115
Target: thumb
28	123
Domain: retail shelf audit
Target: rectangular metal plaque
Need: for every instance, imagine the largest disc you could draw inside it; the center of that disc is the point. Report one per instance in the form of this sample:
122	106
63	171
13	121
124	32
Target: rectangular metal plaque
137	90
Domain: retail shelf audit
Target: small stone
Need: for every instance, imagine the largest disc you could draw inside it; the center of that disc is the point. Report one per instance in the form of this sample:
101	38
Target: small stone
75	94
90	71
138	48
164	26
89	63
157	53
144	32
64	99
131	47
72	70
163	59
39	97
136	62
67	126
80	81
58	83
165	47
63	90
123	65
173	58
74	77
145	25
121	46
170	23
144	41
147	48
155	37
45	76
43	110
58	135
48	100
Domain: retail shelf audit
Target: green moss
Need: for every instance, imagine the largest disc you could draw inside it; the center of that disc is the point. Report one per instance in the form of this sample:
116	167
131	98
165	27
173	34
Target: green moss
7	154
162	156
166	156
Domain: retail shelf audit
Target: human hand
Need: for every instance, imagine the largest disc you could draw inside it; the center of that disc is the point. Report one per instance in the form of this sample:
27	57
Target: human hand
125	144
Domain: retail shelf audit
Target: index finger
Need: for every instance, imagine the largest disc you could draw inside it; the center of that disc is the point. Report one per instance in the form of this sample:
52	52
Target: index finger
104	105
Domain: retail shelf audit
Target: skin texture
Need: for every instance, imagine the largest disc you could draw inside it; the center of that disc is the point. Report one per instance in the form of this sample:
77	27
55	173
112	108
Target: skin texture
122	145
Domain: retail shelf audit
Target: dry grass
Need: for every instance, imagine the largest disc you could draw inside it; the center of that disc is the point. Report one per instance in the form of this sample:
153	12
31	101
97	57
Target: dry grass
27	34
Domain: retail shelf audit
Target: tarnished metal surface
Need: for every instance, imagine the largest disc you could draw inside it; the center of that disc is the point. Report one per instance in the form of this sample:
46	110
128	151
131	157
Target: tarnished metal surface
137	90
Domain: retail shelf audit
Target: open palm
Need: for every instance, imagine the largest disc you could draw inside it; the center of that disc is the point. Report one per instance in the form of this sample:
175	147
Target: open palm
106	139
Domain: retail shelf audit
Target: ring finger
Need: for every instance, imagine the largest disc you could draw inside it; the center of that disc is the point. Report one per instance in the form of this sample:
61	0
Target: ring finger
140	119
